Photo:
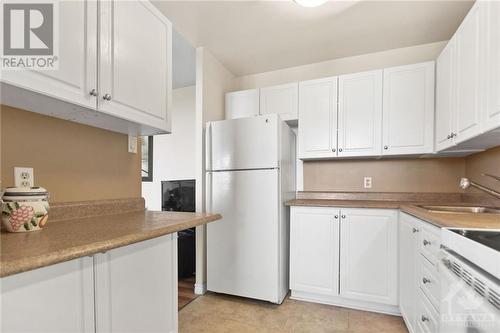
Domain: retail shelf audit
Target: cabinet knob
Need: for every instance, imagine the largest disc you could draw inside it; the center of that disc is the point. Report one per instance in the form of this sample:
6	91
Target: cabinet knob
93	92
453	135
343	216
426	280
424	318
415	230
334	150
340	149
386	147
426	242
336	216
449	136
106	97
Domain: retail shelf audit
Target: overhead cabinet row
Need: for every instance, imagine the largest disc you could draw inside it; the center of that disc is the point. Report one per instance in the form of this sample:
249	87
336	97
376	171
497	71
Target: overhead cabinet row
468	83
105	64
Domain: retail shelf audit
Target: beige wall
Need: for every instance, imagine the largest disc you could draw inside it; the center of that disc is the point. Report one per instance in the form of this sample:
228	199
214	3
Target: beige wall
395	57
402	175
485	162
73	161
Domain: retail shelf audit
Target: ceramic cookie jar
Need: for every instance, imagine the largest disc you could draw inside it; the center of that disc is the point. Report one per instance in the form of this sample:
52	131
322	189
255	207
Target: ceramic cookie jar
25	209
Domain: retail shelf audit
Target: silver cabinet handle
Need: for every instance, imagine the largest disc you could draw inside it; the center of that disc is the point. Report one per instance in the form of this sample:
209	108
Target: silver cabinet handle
93	92
426	242
106	97
340	149
426	280
453	135
424	318
334	150
415	230
386	147
343	216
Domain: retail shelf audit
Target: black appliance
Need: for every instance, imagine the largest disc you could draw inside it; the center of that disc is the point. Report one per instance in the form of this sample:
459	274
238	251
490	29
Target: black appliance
180	196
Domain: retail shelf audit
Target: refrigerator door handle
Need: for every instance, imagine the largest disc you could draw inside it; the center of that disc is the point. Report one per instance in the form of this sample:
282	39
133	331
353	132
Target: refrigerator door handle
208	192
208	146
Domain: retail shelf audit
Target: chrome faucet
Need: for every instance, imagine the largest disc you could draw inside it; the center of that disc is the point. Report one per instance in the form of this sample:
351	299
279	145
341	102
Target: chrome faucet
465	183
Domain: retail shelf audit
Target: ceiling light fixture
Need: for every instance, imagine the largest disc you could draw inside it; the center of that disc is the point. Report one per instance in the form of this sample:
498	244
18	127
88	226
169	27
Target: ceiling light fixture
310	3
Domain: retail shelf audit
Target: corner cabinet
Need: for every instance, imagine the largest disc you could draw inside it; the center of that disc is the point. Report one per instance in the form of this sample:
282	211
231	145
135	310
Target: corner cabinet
408	117
282	99
317	134
345	257
105	65
128	289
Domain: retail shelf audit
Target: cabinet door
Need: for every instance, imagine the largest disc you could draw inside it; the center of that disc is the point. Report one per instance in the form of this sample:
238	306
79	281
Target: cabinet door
77	58
314	250
282	99
409	109
368	255
360	114
468	78
408	256
242	104
136	287
318	118
445	97
492	69
135	64
57	298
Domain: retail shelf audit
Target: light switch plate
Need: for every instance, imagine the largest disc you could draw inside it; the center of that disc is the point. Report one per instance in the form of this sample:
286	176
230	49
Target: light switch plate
132	144
367	182
23	177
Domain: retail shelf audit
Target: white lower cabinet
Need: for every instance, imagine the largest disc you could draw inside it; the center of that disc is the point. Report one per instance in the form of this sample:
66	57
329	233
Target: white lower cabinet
368	255
57	298
419	285
344	257
128	289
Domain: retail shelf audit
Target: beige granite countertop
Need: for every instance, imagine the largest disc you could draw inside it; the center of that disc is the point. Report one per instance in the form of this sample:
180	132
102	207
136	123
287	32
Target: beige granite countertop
73	238
408	203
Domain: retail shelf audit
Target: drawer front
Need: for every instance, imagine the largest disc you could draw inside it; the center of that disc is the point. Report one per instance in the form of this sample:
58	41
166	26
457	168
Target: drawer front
429	244
429	281
427	316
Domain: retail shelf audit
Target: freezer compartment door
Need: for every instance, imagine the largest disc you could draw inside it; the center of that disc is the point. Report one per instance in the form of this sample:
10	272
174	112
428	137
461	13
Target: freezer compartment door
242	248
245	143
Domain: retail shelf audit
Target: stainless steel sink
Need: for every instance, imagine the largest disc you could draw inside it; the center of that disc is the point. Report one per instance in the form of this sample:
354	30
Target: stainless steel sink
462	209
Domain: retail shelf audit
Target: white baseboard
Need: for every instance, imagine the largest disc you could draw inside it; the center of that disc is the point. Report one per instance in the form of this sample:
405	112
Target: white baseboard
347	303
200	288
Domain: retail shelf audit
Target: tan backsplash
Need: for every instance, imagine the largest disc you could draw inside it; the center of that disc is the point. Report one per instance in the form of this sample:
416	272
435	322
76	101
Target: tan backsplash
391	175
74	162
402	175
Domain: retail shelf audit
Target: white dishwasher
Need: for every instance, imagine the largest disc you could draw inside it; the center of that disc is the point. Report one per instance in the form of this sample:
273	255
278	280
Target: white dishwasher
470	294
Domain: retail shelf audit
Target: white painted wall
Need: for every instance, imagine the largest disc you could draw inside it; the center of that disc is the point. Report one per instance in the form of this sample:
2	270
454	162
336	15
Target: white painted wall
174	155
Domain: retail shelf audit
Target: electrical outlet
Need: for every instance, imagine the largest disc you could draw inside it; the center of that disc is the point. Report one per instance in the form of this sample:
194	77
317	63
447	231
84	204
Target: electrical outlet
23	177
368	182
132	144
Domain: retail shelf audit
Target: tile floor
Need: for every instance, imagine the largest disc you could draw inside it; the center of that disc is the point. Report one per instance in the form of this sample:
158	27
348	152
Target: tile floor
213	313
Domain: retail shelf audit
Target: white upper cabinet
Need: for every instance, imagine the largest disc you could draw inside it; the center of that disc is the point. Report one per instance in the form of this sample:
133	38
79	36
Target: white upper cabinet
314	250
368	255
408	113
77	73
468	75
282	99
317	135
107	65
241	104
445	97
492	110
360	114
135	67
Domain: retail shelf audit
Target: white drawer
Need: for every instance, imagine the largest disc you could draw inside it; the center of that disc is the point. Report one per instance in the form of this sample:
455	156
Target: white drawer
429	243
429	281
427	316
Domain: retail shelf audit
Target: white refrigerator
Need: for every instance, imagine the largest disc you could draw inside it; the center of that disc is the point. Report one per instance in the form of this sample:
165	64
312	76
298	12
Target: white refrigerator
250	165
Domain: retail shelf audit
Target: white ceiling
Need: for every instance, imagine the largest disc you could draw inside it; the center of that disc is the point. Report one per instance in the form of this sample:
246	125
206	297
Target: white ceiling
183	62
256	36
